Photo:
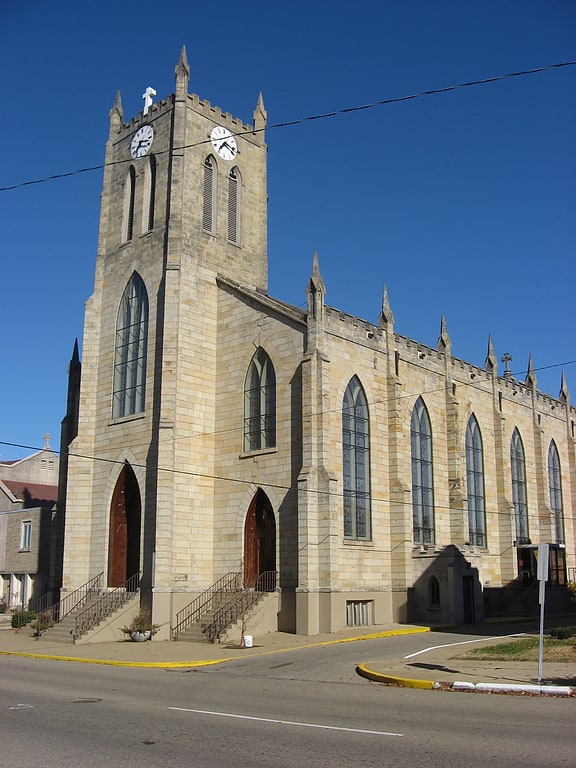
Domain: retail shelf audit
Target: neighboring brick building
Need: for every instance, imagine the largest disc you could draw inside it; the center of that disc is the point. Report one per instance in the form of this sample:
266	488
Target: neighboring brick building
28	493
382	479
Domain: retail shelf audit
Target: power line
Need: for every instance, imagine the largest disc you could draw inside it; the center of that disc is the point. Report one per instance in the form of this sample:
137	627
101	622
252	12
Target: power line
310	118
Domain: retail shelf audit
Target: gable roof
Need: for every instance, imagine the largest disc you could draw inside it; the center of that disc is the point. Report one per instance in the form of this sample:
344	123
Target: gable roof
33	494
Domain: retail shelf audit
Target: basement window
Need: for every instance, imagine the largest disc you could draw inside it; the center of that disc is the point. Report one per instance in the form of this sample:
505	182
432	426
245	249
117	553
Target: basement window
359	613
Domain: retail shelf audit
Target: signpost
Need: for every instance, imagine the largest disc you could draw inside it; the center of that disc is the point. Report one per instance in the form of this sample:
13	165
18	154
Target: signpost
542	575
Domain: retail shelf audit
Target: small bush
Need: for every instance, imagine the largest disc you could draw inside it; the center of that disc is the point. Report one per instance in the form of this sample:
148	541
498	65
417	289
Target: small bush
21	618
43	622
562	633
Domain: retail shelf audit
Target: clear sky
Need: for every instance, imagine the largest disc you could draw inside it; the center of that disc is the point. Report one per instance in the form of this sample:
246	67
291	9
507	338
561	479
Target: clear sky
463	203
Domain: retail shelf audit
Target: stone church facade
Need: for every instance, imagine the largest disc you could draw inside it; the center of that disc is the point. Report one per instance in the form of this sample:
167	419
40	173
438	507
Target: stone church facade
221	429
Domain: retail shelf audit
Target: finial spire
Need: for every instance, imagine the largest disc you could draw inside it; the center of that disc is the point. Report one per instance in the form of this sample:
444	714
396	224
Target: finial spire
260	116
386	316
182	72
316	290
444	341
116	115
564	395
531	376
491	362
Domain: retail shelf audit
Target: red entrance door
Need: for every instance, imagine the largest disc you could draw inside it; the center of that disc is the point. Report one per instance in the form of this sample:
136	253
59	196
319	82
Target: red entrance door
259	539
124	539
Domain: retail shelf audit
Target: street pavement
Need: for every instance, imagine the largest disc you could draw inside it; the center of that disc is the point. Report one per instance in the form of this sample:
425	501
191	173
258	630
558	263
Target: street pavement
438	666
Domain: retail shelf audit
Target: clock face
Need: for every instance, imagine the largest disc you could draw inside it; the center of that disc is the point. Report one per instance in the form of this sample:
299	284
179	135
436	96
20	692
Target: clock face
223	142
141	141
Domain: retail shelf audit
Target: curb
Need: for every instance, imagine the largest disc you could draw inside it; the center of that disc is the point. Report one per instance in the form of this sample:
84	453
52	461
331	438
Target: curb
212	662
403	682
111	663
459	685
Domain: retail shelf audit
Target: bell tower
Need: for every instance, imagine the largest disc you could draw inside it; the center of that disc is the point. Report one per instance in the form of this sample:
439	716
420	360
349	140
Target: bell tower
183	202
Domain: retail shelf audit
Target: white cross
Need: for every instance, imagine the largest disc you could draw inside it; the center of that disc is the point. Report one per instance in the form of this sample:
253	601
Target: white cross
147	96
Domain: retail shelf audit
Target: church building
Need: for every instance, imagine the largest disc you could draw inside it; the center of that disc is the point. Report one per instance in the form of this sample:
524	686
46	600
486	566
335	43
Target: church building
362	477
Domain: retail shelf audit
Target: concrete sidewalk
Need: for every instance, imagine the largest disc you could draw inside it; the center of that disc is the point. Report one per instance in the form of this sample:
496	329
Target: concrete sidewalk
438	666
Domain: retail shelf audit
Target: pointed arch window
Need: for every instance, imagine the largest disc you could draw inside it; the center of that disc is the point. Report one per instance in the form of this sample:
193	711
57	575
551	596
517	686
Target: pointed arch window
422	476
128	209
475	484
149	195
356	462
234	188
555	485
209	209
260	403
131	350
519	498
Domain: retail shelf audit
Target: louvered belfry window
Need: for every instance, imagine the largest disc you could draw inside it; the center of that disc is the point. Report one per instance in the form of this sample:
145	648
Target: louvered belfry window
128	212
234	186
149	195
209	209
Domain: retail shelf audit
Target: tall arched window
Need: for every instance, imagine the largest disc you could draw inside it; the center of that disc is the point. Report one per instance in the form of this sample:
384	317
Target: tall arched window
356	462
475	484
555	484
131	350
234	187
422	479
260	403
209	209
128	209
519	499
149	195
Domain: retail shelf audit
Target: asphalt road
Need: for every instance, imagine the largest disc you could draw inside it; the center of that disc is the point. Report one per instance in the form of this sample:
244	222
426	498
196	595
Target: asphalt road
302	708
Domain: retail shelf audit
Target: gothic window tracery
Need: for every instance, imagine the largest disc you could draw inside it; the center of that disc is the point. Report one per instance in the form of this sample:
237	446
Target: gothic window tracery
260	403
555	485
356	462
422	477
475	484
131	350
519	497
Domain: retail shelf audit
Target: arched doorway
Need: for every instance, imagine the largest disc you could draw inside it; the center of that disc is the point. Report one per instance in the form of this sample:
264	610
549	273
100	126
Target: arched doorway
124	539
260	544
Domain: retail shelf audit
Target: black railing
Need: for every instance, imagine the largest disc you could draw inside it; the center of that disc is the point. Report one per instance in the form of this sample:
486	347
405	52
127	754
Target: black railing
240	604
214	595
108	604
71	602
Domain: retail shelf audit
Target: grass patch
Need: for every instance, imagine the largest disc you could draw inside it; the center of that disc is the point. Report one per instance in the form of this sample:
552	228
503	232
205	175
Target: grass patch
526	649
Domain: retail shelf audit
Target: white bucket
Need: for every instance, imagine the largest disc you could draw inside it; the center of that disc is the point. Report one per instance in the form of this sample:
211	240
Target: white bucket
248	639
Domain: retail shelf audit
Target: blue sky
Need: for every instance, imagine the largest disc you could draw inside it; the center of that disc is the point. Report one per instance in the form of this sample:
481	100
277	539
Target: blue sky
463	203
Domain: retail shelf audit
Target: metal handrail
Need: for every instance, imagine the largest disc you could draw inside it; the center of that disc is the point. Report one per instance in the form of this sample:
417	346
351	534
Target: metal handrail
71	602
242	602
229	583
108	604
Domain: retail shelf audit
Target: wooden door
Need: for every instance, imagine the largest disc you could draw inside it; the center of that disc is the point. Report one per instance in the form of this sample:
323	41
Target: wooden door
124	538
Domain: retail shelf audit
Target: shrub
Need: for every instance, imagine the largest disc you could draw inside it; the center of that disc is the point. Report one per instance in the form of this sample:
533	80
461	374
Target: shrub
562	633
21	618
43	621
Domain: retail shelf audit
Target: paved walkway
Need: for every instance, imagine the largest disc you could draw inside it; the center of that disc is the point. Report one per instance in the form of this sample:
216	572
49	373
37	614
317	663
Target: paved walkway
438	666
